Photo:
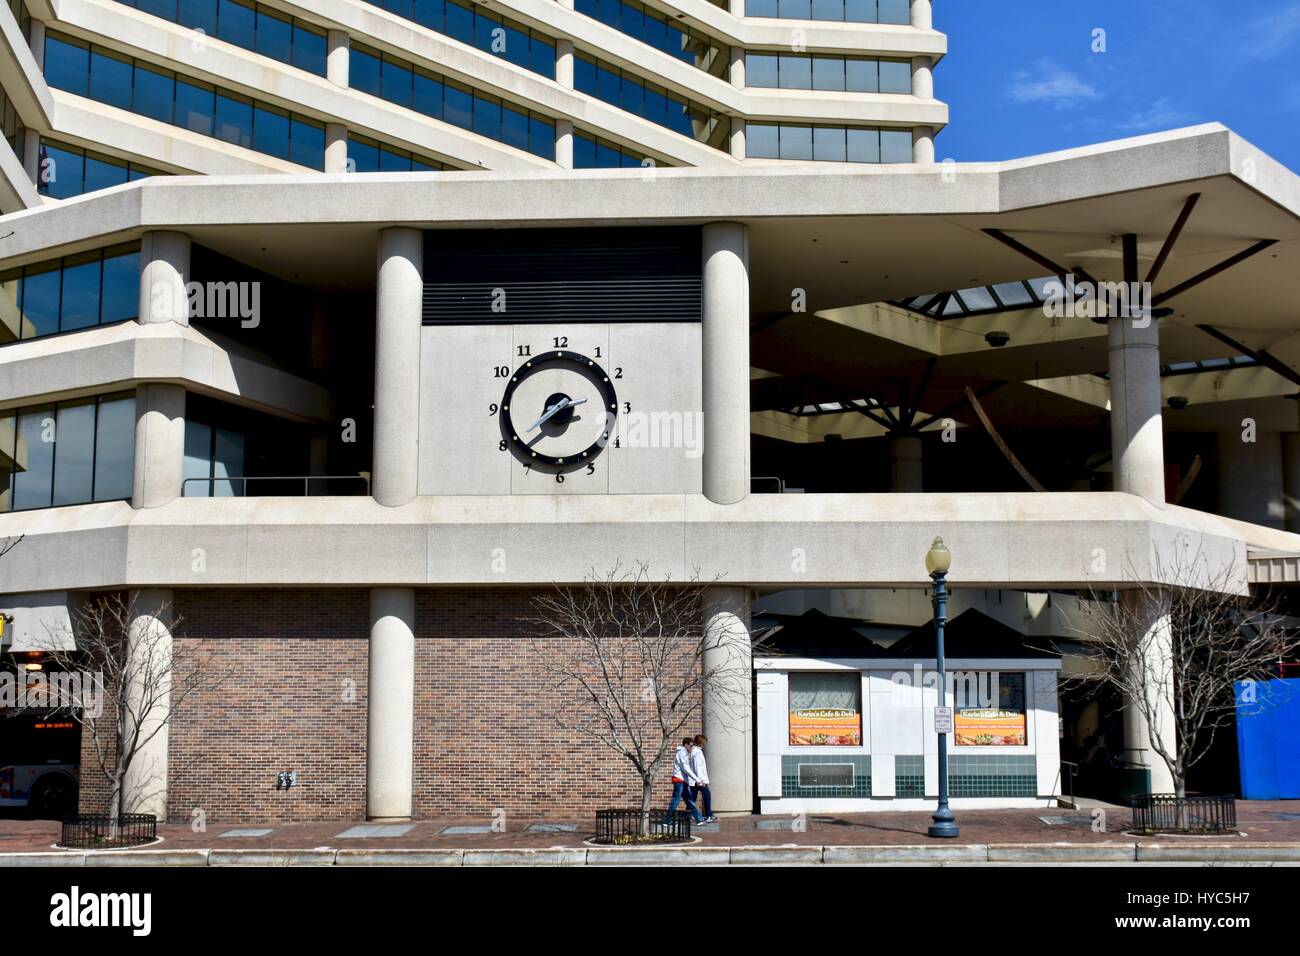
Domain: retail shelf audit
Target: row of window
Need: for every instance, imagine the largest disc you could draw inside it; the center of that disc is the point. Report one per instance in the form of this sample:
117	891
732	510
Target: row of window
109	77
75	292
371	156
249	25
426	92
833	144
67	453
654	103
593	153
471	24
851	11
212	457
802	71
68	171
659	31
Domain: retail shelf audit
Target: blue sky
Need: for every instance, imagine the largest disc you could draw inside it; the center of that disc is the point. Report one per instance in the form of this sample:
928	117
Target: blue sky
1021	76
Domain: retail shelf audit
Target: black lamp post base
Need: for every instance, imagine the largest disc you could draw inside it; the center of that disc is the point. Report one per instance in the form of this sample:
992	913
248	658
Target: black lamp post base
945	824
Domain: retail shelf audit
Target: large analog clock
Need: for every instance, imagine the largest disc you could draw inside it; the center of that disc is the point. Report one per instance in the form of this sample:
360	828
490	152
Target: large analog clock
559	410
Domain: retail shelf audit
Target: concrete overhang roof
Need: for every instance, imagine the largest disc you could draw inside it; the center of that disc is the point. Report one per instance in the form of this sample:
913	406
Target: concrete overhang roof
1012	540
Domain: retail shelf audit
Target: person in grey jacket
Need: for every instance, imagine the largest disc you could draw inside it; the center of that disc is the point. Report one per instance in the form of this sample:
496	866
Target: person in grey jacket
683	779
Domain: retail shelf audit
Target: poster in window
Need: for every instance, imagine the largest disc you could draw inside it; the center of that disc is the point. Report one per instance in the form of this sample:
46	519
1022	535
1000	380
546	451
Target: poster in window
825	710
999	725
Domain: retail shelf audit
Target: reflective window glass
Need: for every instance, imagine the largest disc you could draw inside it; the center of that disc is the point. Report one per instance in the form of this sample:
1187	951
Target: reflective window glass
307	143
155	93
34	453
103	173
200	15
364	155
761	70
828	144
363	71
310	50
861	76
460	22
863	145
121	291
271	131
227	463
828	9
237	23
894	11
860	11
41	299
828	72
428	94
234	120
514	128
895	76
487	117
197	467
74	450
428	13
458	105
796	73
67	65
395	82
110	78
541	137
762	140
796	142
195	106
114	448
274	36
79	302
62	172
392	161
895	146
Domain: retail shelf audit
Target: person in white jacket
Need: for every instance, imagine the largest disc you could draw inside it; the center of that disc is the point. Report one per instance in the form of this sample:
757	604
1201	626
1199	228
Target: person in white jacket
683	779
700	768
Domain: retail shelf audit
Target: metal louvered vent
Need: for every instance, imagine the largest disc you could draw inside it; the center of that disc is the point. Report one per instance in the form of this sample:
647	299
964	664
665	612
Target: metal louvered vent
562	275
826	775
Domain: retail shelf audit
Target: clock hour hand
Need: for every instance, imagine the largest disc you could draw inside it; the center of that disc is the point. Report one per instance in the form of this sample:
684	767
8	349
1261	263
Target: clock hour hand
555	409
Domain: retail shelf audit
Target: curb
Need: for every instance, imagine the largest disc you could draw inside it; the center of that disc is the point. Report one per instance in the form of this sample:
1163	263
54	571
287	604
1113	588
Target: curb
660	856
320	857
1062	853
52	858
571	856
1247	853
147	857
952	853
779	855
398	858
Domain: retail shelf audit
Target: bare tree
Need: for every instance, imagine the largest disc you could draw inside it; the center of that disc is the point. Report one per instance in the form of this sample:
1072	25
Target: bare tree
135	681
1176	652
630	660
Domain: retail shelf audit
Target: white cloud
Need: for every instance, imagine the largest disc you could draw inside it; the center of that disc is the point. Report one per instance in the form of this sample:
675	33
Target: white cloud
1268	37
1049	82
1162	114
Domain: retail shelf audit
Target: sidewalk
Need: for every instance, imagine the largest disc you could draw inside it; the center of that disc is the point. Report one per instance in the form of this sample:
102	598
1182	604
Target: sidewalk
1271	835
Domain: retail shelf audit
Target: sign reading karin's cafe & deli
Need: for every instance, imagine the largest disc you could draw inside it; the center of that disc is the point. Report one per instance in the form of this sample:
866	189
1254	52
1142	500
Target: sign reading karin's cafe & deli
825	727
989	727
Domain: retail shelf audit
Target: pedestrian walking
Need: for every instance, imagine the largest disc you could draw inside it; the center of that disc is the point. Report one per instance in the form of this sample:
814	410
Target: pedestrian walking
683	779
700	767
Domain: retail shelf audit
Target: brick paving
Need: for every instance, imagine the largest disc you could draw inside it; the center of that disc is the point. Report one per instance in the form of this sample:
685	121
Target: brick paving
1258	820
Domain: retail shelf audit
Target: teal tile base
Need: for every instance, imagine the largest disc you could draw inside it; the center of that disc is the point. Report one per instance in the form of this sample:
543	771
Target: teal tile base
861	775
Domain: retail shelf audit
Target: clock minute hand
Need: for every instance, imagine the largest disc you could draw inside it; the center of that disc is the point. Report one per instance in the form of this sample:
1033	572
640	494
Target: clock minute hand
555	410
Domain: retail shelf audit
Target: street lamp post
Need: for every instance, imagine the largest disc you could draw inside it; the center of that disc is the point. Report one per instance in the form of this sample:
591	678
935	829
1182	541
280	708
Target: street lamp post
937	561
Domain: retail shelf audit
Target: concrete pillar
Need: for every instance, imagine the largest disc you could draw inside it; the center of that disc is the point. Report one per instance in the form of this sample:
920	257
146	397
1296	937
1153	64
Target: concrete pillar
1291	479
1136	429
736	67
336	148
1153	615
398	295
564	63
36	39
149	650
737	139
390	724
564	144
736	7
337	58
728	703
159	444
922	15
726	361
923	145
164	270
905	472
1253	477
922	77
32	156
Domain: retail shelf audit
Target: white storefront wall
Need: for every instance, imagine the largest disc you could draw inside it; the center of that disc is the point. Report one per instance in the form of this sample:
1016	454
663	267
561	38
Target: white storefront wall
898	719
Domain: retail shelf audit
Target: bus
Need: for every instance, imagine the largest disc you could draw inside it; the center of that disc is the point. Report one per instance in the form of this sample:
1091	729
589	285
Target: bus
40	758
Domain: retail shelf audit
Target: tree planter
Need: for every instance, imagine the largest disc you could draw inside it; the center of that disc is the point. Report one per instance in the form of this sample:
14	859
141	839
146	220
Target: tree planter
1197	814
638	827
99	833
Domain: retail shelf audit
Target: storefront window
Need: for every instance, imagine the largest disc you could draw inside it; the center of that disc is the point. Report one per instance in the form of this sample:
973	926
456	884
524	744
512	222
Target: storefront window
990	710
826	710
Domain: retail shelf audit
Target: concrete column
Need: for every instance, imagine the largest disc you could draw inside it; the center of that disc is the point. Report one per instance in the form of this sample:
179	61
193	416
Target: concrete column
922	77
736	7
728	704
905	472
564	144
1159	681
922	15
736	67
164	270
336	148
564	63
1254	482
337	57
923	145
1291	479
398	295
390	724
1136	429
36	39
737	139
149	649
726	361
32	156
159	444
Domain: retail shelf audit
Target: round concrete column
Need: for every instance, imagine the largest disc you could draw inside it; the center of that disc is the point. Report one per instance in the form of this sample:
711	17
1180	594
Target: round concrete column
905	471
164	270
1159	674
336	148
397	365
922	77
159	444
338	57
923	145
1253	477
36	39
564	63
1136	429
564	144
149	651
736	7
736	141
728	703
922	15
390	724
1291	479
726	361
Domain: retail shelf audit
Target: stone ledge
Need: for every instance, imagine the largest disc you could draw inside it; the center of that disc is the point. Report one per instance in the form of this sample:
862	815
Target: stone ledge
147	857
319	857
958	852
398	858
52	858
1218	853
559	856
1062	853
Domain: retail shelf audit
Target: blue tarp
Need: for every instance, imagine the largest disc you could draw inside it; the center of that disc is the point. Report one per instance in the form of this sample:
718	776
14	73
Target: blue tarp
1268	739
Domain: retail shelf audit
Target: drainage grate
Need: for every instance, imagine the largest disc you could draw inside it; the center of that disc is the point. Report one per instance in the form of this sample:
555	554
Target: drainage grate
381	830
464	829
249	832
550	828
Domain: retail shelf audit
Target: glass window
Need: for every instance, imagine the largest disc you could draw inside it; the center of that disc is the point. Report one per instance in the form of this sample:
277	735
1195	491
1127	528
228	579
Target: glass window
458	105
1013	293
11	289
760	8
234	119
114	448
514	128
895	11
977	299
227	463
795	9
828	144
121	290
155	93
860	11
310	50
200	15
607	156
271	131
607	84
395	82
656	106
7	460
895	76
428	13
863	145
541	137
363	71
861	75
541	56
486	33
394	161
110	78
274	35
428	94
419	166
761	69
364	155
159	8
101	173
195	106
584	152
41	299
62	172
796	142
74	453
198	460
989	710
79	306
632	97
33	485
584	75
828	9
828	72
517	46
307	143
825	709
460	22
487	117
796	72
895	146
237	23
762	140
67	64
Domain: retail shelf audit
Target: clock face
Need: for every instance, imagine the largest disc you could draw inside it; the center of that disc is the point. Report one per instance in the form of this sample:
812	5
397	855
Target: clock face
559	410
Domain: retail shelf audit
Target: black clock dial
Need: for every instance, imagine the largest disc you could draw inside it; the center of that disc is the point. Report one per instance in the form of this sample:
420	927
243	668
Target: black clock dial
558	410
